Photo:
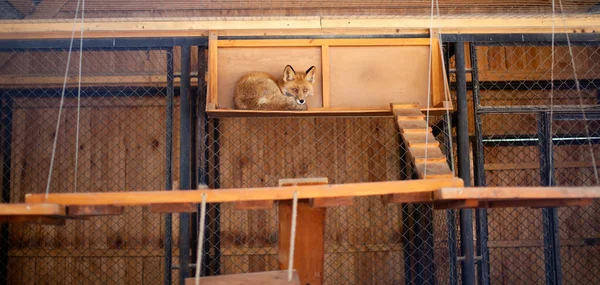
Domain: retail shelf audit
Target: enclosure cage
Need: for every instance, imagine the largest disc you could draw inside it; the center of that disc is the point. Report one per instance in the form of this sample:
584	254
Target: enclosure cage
107	96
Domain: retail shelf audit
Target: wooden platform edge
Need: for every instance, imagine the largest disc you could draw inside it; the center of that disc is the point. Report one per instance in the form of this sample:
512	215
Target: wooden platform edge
278	277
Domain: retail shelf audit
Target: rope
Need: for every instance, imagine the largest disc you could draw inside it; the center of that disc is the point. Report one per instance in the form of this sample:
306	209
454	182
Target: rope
79	96
293	236
587	131
428	87
62	101
200	238
550	175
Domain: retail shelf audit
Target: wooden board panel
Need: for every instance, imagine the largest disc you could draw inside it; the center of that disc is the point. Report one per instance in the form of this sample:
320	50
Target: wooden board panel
499	193
31	209
257	278
233	63
370	77
250	194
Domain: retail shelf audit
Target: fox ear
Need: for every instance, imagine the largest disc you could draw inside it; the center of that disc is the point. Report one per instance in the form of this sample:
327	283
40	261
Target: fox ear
289	73
310	74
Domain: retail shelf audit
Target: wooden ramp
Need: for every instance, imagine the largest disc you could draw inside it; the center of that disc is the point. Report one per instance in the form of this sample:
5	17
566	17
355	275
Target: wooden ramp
423	147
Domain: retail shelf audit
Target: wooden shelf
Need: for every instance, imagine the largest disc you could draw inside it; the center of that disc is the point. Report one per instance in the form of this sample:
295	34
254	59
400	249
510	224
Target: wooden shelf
510	197
42	213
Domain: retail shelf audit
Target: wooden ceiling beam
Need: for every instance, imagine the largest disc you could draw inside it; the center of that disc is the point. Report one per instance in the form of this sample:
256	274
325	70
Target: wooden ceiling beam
161	27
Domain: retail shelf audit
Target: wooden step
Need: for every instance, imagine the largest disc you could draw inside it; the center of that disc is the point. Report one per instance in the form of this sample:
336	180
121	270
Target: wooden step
412	124
409	112
433	152
420	139
434	170
41	209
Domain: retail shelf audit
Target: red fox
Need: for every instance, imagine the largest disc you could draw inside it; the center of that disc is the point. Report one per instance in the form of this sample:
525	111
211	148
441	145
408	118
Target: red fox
262	91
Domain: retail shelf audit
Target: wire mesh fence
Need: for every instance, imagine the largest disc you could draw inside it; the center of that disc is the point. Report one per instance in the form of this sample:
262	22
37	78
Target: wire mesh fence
538	128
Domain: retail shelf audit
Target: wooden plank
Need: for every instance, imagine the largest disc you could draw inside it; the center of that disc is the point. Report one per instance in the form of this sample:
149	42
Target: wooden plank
173	208
246	194
420	140
330	202
435	169
254	278
535	203
32	219
254	205
107	27
73	81
407	112
504	193
212	85
94	210
309	246
423	197
41	209
455	204
303	181
429	152
324	42
412	124
325	73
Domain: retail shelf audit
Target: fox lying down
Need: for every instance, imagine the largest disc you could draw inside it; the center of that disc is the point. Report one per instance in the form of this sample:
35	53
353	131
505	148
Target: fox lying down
262	91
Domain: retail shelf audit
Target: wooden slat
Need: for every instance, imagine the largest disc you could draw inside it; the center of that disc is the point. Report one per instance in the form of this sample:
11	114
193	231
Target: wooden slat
331	202
173	208
325	72
212	84
535	203
420	140
104	210
254	205
435	169
43	220
41	209
455	204
505	193
245	194
324	42
107	27
254	278
429	152
407	198
412	124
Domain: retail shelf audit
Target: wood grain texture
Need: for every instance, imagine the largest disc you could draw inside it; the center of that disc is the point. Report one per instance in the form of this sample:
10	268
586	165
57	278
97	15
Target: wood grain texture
254	278
248	194
41	209
500	193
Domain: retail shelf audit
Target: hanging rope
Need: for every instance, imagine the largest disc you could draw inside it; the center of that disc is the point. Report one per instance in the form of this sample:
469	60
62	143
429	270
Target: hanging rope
79	96
62	101
293	235
200	238
587	131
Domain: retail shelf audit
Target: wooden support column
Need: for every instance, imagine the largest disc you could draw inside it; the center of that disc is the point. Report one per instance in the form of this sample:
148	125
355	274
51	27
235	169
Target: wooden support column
310	229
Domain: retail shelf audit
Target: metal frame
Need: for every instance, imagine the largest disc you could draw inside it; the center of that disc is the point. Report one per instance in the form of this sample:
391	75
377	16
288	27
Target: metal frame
5	141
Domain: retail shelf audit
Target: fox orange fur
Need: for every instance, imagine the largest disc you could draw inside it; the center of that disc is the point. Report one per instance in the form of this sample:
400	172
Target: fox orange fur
262	91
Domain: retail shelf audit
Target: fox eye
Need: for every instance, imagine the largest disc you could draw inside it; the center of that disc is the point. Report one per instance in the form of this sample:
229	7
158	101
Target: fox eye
305	90
295	89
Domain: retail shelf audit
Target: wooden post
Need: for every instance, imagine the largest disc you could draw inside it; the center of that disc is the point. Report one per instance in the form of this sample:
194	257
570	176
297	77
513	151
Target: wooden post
310	230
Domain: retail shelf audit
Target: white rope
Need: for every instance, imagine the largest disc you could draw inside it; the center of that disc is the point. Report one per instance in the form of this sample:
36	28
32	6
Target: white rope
200	238
587	131
79	96
428	88
62	101
293	236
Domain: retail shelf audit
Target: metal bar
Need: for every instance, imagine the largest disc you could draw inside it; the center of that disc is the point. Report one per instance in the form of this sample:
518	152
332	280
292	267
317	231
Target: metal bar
481	221
168	243
462	133
519	39
184	161
6	109
104	43
549	215
450	214
407	241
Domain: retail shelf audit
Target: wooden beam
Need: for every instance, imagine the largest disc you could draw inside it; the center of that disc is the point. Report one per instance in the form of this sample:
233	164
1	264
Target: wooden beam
253	278
245	194
325	73
42	220
212	84
42	208
72	81
62	28
423	197
516	193
254	205
104	210
330	202
173	208
324	42
455	204
535	203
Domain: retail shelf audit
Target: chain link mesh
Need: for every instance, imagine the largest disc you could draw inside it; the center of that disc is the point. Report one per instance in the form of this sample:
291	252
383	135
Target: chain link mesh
514	98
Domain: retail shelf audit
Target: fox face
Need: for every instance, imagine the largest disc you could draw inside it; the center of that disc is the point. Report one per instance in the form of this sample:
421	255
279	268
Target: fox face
298	85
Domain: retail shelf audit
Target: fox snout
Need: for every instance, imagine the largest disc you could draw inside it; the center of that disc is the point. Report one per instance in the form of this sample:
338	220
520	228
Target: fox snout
300	101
